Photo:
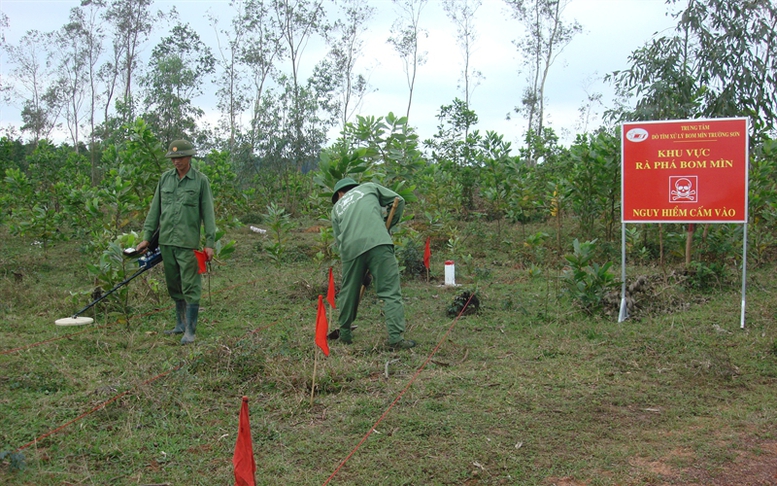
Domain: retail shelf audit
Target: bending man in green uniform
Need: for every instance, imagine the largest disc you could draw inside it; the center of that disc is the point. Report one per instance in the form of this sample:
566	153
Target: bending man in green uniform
365	244
181	203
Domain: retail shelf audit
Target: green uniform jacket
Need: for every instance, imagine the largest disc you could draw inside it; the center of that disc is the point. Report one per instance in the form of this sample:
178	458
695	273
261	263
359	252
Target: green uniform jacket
178	208
357	219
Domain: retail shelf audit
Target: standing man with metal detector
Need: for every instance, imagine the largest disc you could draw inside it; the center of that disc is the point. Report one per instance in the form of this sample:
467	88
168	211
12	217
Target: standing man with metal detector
365	244
182	202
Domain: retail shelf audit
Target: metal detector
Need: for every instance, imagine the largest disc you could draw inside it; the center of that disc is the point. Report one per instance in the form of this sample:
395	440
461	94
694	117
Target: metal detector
146	262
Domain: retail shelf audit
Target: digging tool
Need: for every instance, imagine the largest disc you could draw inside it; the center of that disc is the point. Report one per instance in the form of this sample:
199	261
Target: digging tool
149	259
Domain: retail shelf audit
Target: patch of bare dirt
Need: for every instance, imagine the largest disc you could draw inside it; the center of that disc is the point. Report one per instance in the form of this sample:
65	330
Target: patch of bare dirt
565	481
756	467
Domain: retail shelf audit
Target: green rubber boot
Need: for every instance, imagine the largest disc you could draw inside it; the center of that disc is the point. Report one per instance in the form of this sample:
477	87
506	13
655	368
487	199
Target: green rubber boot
402	344
346	336
180	318
191	323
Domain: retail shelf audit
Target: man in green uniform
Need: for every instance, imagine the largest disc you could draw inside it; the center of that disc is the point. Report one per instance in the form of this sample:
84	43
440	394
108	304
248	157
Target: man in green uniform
182	202
365	244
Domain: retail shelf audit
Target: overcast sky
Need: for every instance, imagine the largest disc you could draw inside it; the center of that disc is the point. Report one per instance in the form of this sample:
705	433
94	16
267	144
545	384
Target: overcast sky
612	29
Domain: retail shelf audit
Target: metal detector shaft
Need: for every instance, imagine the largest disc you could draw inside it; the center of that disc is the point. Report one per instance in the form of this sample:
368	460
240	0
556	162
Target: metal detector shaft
146	263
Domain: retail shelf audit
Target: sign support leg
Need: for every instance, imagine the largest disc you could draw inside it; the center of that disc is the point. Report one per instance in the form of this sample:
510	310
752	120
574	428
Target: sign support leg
624	311
744	277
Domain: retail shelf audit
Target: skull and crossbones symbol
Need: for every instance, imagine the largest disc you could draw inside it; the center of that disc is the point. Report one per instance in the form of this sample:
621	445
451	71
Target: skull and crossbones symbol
683	190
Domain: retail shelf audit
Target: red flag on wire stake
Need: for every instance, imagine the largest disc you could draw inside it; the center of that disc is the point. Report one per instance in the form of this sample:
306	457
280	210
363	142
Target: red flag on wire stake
322	326
330	293
427	253
243	460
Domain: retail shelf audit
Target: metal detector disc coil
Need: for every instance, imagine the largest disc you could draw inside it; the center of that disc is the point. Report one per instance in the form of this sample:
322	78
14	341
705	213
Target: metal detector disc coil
74	321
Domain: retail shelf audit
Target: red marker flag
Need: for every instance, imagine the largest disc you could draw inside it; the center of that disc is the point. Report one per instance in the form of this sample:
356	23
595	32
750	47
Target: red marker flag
322	327
202	258
427	253
330	293
243	460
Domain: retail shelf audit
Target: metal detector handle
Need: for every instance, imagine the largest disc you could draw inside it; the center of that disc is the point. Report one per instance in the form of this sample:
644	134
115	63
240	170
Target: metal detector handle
153	245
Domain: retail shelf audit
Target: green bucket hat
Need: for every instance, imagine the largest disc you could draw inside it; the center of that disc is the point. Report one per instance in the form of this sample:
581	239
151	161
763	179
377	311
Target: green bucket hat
344	183
180	148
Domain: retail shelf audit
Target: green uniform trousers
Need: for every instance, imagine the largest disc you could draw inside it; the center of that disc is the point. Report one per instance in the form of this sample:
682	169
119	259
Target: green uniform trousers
383	266
183	281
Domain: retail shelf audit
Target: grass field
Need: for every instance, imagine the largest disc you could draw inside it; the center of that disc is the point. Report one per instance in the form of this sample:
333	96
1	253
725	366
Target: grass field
530	391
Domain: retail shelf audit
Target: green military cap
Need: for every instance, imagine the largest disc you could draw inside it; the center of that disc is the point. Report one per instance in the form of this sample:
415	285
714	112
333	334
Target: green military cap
180	148
345	183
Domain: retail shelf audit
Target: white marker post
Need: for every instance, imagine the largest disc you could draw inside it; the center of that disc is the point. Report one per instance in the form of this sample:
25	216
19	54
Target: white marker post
450	273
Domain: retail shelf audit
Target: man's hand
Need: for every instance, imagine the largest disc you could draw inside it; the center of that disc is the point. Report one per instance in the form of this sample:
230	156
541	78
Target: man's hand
209	253
141	248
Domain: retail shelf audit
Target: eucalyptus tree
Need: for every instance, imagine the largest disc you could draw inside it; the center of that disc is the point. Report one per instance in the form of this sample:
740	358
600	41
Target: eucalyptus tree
299	21
131	23
32	79
720	61
79	46
70	82
337	73
3	26
282	156
233	91
263	47
405	32
81	42
548	35
4	88
462	14
178	69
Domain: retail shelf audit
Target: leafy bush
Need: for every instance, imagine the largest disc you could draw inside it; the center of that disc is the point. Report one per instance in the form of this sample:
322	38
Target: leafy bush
15	458
112	269
465	303
706	276
594	188
534	246
585	281
222	250
280	224
410	256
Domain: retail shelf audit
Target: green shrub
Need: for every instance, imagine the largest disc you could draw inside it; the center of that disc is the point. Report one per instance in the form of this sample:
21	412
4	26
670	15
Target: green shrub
585	281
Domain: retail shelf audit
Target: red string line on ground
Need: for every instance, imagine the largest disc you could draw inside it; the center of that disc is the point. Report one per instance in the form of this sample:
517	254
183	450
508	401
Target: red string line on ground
260	329
409	383
97	407
113	399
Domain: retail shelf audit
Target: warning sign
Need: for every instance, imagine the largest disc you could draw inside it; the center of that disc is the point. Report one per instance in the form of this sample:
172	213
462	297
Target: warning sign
685	171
